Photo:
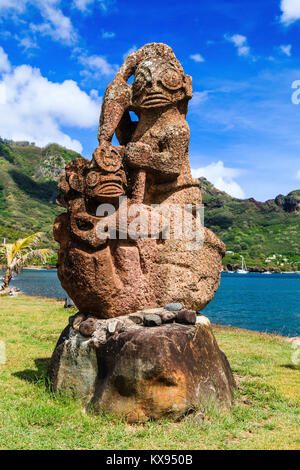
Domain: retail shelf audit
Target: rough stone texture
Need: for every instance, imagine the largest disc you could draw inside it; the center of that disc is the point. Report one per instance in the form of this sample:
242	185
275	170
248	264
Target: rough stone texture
173	307
77	320
87	327
188	317
151	319
156	311
109	277
144	373
202	320
137	318
74	365
113	326
168	317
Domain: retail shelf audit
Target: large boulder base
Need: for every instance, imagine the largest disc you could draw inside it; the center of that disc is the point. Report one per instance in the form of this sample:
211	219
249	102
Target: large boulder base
144	373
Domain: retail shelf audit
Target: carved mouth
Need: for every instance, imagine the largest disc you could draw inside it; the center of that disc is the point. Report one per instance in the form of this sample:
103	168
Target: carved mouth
110	189
155	99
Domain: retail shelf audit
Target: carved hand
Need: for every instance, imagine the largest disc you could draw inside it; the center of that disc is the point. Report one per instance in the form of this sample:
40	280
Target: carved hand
139	155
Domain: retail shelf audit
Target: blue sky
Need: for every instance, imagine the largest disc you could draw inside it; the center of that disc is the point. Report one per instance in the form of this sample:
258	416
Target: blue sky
56	58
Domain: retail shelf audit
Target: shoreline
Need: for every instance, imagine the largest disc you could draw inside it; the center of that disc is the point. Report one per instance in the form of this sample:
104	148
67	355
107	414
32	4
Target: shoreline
218	326
261	272
53	268
288	339
40	268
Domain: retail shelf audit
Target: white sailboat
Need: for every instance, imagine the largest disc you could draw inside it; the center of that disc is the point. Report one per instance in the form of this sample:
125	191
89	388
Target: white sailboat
244	269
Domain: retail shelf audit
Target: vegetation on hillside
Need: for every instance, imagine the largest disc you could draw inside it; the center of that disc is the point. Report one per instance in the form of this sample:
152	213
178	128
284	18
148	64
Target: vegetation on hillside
265	415
265	233
28	190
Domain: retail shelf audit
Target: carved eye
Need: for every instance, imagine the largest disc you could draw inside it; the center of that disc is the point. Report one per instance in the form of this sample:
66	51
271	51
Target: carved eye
171	79
139	83
92	178
76	182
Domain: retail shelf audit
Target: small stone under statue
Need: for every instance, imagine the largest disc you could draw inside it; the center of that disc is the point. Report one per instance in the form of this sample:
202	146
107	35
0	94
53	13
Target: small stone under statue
109	353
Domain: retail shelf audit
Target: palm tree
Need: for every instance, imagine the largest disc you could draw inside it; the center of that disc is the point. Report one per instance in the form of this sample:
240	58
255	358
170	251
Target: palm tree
13	256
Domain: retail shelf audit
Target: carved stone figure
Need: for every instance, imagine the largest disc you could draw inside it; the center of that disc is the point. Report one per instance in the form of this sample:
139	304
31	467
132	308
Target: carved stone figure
108	277
136	347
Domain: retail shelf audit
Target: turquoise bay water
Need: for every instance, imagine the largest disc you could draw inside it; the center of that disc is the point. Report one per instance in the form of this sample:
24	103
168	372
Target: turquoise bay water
269	303
262	302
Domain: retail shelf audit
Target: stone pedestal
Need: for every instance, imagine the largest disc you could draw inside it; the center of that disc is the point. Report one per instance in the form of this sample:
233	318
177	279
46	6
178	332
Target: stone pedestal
142	372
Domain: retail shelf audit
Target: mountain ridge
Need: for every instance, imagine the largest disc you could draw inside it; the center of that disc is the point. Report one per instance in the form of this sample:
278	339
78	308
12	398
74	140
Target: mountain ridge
254	229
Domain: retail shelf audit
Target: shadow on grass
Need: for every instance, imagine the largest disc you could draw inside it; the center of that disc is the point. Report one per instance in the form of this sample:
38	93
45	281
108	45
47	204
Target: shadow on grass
291	366
35	376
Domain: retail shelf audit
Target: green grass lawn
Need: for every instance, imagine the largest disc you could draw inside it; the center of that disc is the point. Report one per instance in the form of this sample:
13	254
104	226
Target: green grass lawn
265	415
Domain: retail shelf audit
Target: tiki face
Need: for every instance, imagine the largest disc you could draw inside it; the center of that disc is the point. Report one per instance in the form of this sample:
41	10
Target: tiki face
107	178
158	83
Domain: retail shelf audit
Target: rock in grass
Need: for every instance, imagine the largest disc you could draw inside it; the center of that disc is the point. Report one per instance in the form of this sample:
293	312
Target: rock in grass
121	374
199	418
175	307
187	317
186	371
151	319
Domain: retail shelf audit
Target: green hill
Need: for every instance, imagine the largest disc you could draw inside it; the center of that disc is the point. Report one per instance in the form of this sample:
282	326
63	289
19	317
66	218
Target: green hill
256	230
28	189
265	233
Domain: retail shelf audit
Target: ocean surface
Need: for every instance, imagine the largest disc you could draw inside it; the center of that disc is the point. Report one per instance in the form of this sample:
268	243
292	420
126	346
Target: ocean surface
262	302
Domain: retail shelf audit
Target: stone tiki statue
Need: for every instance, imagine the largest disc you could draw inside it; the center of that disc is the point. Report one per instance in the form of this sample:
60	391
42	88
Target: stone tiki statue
123	284
108	277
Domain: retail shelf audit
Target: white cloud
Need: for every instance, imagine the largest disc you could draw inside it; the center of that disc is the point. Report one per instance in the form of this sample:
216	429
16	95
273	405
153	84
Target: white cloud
290	11
82	5
105	4
287	50
240	42
197	58
16	5
108	34
36	109
298	175
221	177
244	51
98	64
28	43
4	62
199	97
55	24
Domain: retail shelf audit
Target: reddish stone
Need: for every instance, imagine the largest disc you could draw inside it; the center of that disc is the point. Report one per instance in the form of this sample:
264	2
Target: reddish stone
106	277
